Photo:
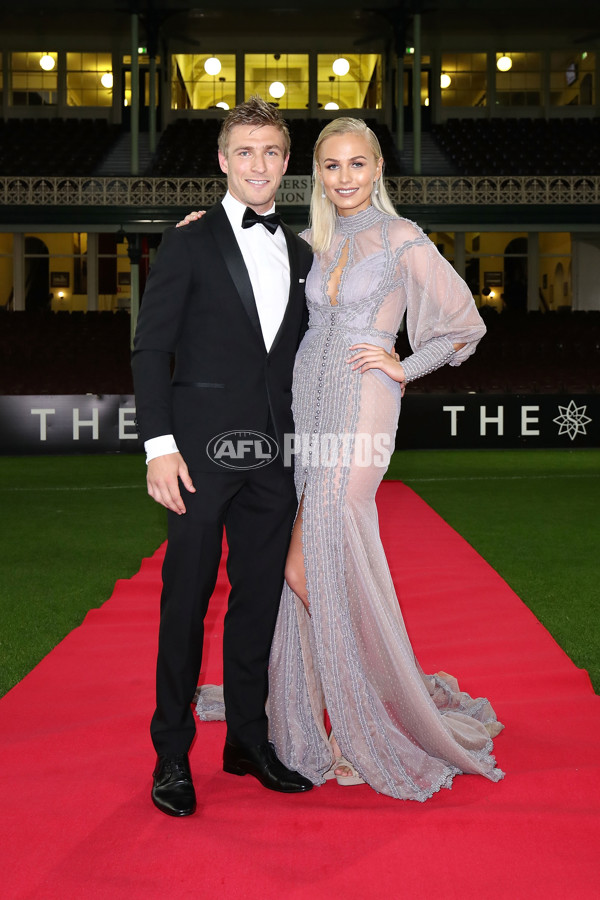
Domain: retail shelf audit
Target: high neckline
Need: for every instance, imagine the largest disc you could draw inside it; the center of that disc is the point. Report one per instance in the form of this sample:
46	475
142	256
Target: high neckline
358	222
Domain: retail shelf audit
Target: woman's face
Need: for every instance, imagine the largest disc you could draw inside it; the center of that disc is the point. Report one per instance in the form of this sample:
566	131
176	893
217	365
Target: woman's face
347	169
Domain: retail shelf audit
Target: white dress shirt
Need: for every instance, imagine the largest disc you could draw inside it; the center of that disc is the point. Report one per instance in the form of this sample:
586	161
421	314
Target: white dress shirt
267	262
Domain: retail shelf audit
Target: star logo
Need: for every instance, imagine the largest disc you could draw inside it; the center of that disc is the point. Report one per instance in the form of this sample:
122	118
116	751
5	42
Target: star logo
572	420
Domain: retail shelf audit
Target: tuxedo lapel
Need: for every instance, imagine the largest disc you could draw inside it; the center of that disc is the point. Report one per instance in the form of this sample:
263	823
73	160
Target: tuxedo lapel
292	247
229	248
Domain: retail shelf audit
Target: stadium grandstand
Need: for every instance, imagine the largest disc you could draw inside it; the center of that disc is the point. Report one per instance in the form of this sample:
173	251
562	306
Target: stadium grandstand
489	118
488	115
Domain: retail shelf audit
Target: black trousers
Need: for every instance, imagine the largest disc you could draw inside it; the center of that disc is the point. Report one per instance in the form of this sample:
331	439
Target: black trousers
256	507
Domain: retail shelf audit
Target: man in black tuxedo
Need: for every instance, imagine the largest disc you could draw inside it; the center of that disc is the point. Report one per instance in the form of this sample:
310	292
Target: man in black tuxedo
225	300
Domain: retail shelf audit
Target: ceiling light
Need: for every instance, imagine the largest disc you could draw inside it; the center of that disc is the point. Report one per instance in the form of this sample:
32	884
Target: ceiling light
277	89
445	81
107	80
341	66
212	66
47	62
331	105
504	63
222	105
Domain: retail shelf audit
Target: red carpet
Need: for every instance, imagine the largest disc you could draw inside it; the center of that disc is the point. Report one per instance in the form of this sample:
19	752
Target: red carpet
76	758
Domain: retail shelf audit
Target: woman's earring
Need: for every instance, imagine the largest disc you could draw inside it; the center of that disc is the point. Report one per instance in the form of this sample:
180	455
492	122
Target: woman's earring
322	191
376	183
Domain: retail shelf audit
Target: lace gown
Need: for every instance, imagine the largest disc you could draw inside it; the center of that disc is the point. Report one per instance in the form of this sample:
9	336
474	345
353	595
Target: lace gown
406	733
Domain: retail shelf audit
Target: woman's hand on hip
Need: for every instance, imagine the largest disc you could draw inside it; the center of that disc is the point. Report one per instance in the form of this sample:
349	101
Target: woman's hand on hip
370	356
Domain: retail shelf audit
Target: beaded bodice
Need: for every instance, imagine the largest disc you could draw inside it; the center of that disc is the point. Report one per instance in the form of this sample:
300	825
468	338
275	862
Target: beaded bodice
385	267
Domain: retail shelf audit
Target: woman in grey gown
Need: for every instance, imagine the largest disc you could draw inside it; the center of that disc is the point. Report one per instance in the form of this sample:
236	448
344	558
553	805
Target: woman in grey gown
340	643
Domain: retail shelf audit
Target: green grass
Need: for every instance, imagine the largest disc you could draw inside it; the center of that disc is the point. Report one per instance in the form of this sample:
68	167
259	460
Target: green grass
71	526
534	516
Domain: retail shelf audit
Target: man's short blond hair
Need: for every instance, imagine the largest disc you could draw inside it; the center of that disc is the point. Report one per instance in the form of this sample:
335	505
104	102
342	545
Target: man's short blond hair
254	111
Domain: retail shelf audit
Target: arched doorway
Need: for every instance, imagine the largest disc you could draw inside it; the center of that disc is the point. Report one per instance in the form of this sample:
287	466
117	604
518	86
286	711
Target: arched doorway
37	275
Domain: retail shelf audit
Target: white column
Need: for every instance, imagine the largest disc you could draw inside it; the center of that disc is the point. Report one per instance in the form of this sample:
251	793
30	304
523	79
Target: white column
135	298
19	271
7	84
240	74
585	255
416	95
545	76
400	102
491	83
152	107
460	253
313	86
435	97
61	83
533	271
92	271
135	97
116	113
387	77
134	245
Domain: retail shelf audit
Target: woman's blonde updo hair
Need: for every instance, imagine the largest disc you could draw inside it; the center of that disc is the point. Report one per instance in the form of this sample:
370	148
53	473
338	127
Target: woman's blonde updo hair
323	213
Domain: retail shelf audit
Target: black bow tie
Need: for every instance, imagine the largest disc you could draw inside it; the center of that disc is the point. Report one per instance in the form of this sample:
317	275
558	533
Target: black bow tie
271	222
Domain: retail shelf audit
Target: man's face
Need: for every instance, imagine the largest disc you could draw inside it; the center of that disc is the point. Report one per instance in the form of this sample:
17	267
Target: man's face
255	164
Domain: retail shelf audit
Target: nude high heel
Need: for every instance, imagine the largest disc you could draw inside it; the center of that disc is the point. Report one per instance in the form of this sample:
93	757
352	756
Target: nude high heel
344	780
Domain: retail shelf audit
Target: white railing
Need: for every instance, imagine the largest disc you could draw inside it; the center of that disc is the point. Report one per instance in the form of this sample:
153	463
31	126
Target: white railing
501	190
456	190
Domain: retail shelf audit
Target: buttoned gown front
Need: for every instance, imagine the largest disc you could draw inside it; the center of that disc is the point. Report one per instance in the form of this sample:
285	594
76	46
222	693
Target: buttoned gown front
408	734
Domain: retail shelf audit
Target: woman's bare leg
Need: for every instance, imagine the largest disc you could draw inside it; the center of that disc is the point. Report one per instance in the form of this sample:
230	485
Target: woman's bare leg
295	575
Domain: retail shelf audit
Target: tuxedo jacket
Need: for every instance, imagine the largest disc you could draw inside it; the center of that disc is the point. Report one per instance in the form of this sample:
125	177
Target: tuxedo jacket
199	362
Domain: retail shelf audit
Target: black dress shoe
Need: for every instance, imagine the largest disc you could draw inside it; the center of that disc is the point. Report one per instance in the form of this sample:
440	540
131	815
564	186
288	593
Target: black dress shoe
173	790
262	762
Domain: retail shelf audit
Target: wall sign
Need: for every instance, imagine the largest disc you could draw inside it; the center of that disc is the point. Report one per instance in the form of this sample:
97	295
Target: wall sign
73	423
499	421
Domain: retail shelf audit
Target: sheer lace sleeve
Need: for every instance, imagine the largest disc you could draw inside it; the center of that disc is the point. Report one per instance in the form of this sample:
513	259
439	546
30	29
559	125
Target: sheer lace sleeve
438	302
306	235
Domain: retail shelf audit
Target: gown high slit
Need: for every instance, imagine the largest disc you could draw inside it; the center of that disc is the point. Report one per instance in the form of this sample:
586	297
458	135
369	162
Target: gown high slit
407	733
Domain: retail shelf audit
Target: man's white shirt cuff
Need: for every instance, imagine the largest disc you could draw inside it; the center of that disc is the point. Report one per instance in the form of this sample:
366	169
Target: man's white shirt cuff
160	446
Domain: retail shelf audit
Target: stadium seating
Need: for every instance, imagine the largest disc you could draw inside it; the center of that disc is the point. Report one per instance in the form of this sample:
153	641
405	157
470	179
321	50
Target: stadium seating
550	353
65	353
187	148
54	147
505	146
73	353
